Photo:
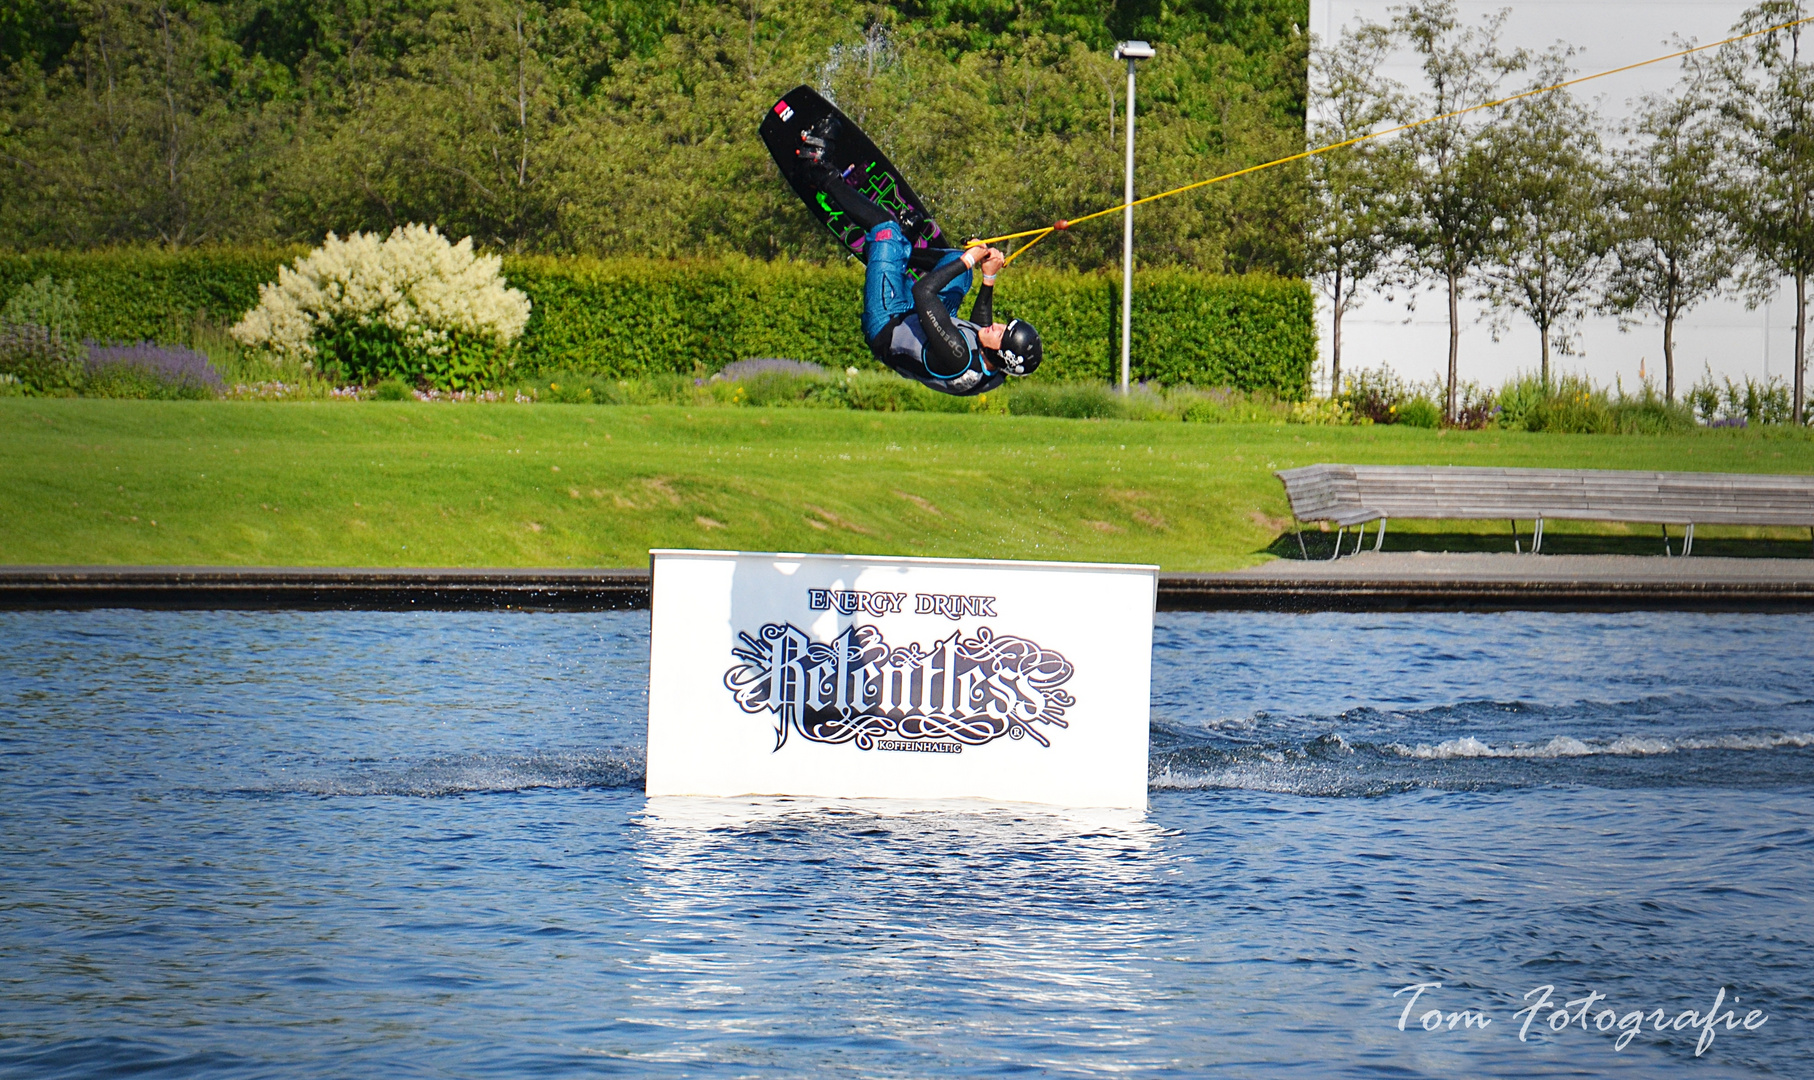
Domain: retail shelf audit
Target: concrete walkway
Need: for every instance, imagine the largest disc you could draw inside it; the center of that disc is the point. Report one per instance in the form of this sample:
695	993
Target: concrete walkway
1490	567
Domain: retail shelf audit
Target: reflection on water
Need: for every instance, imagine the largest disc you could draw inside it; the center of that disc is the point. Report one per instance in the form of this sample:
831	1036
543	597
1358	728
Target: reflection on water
239	844
937	929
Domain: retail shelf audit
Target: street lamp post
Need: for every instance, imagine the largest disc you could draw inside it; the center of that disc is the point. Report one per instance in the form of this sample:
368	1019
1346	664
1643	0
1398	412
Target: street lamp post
1129	51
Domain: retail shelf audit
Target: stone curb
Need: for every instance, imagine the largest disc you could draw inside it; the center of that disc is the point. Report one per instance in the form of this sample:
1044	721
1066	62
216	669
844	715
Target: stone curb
25	588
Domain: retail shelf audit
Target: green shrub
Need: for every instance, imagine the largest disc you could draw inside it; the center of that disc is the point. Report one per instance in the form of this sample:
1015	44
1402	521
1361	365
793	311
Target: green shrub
413	304
581	388
1572	406
1755	401
884	391
777	388
46	302
1148	401
570	391
865	391
360	353
1329	411
139	384
1206	412
1227	406
1420	412
40	360
1078	401
1476	407
1647	413
627	319
1375	395
392	389
1519	397
1704	398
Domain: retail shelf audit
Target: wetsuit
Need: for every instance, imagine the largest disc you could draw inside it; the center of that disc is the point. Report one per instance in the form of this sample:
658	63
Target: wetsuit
911	327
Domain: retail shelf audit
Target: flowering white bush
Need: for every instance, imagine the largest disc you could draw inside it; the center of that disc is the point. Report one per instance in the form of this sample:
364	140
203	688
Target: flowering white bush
411	304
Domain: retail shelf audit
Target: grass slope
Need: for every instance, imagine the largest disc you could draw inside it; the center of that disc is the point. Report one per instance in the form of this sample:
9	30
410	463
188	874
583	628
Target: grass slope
394	484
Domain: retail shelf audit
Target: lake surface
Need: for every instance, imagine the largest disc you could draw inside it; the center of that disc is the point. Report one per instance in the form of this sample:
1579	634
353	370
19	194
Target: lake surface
384	844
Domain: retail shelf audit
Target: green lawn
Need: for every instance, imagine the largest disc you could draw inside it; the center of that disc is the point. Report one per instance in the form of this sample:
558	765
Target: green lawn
392	484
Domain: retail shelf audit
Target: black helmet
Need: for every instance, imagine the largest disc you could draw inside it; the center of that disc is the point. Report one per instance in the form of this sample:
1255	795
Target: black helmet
1020	348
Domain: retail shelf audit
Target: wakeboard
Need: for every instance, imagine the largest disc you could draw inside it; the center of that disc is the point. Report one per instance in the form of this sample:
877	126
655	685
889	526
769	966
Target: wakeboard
874	175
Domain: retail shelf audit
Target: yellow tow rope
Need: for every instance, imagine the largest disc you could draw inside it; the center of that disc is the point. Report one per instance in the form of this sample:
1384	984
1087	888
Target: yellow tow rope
1060	226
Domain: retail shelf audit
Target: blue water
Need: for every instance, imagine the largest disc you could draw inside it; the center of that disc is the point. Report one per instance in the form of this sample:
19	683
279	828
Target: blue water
362	844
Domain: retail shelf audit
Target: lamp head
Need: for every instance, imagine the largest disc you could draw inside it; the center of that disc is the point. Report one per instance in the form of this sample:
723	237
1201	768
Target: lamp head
1133	50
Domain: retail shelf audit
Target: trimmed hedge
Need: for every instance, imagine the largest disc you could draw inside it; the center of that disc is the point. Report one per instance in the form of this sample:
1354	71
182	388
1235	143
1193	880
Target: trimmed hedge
630	317
149	294
643	317
1254	332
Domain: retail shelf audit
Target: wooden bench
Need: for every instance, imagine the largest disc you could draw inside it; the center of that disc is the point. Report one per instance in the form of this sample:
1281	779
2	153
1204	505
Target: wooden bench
1353	495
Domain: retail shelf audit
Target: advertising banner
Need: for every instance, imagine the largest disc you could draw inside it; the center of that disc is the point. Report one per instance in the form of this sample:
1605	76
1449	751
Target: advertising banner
872	676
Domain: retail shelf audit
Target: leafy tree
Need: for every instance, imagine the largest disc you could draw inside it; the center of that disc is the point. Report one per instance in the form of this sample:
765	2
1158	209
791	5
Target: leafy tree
153	128
36	32
628	126
1447	228
1768	99
466	127
1353	191
1549	237
1674	245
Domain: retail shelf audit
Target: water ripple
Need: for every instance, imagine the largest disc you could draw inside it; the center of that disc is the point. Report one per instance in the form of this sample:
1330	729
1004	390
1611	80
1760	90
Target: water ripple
327	844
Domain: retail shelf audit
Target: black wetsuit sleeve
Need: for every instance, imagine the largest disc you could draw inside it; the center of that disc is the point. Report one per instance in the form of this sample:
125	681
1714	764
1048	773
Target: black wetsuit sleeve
982	312
948	351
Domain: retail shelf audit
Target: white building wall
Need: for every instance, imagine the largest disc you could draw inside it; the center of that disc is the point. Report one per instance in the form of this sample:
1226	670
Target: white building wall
1723	336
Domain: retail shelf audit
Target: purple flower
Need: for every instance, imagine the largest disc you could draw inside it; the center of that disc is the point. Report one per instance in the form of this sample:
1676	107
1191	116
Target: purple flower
1730	421
171	365
745	369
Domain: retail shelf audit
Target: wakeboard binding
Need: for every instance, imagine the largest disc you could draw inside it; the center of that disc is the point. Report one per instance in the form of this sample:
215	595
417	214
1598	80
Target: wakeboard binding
807	136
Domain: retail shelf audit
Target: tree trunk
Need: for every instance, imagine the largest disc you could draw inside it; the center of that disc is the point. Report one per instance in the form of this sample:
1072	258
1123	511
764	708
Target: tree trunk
1335	354
1801	333
1669	357
1671	309
1543	334
1335	338
1454	341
